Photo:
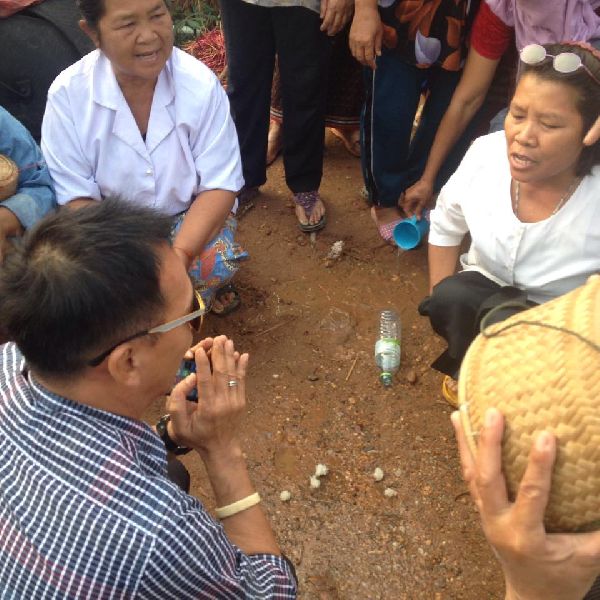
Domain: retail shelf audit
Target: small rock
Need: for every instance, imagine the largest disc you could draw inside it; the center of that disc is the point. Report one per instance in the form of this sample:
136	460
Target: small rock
285	496
378	474
321	470
315	482
313	377
390	492
275	376
411	376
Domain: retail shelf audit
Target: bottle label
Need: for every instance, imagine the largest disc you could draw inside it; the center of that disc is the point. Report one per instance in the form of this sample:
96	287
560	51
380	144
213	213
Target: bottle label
387	345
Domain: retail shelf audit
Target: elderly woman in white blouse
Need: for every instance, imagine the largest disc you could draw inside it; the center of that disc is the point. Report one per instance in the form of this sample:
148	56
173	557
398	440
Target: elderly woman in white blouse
530	199
139	119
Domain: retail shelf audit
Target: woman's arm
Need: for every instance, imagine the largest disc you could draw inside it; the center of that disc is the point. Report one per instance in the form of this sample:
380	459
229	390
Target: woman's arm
466	101
203	221
442	263
10	226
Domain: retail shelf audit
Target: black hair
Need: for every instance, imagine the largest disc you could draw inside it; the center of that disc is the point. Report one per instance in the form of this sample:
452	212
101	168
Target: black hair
82	280
92	11
588	92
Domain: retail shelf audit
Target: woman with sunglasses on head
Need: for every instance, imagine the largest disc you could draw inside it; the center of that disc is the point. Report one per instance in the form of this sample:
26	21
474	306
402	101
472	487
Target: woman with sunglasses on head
139	119
528	197
498	22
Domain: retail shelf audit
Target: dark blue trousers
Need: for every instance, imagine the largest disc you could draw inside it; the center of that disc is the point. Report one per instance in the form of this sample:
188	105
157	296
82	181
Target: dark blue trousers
391	162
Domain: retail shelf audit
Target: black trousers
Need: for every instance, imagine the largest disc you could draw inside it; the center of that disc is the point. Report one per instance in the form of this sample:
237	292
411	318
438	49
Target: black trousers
253	35
456	307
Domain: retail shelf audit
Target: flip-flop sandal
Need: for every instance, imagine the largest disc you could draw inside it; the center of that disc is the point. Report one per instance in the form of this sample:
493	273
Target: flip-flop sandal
353	147
246	200
450	395
307	201
231	305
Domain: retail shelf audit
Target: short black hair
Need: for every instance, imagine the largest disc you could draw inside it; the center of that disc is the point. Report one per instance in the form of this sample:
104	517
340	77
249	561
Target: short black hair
80	281
92	11
588	91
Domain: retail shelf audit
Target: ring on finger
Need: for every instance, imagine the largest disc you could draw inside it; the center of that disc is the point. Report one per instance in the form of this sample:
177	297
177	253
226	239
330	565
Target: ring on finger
232	383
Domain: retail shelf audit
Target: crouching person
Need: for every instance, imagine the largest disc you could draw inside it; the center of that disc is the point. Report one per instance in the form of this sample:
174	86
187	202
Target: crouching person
26	192
101	311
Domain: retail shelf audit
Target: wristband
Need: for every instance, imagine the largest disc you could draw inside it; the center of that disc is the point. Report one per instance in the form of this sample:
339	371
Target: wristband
239	506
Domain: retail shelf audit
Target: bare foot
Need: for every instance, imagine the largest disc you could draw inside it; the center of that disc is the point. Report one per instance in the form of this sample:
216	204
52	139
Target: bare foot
274	142
317	212
350	139
223	302
385	214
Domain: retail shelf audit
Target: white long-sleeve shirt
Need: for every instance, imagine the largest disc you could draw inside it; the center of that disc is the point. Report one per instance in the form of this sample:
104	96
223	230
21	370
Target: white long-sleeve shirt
547	258
93	146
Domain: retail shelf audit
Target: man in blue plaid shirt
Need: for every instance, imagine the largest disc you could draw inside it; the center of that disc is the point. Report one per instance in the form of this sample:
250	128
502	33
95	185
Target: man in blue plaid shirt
101	312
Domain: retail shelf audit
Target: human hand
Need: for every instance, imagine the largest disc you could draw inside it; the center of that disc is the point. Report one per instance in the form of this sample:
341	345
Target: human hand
593	135
212	425
536	565
335	14
416	198
206	344
366	35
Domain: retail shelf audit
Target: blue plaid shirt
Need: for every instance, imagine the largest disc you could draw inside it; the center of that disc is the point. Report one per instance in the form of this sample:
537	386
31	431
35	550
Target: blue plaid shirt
87	511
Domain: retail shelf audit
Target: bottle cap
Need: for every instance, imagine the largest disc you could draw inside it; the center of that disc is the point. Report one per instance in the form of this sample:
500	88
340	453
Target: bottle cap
386	378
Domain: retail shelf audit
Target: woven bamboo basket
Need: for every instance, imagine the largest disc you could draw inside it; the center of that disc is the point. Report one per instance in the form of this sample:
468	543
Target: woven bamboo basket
544	378
9	176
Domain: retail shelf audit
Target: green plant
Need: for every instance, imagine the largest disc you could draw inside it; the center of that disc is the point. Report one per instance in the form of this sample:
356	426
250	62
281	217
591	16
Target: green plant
192	18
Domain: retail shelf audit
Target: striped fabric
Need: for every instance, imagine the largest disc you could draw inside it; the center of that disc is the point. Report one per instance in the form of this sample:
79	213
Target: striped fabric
86	510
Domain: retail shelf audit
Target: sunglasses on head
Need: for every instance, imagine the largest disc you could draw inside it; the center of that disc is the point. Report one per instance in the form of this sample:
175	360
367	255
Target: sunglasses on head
194	318
565	62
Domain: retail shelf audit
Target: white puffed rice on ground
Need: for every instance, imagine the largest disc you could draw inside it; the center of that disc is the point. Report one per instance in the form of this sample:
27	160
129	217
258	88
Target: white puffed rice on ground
378	474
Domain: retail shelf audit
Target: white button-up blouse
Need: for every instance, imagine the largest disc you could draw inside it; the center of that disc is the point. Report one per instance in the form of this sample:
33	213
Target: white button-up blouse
547	258
94	148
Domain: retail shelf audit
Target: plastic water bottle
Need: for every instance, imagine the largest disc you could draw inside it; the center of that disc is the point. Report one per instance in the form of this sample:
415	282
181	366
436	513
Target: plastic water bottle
387	347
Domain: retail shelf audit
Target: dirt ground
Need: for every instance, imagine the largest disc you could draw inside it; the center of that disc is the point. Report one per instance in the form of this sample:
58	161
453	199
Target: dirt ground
314	397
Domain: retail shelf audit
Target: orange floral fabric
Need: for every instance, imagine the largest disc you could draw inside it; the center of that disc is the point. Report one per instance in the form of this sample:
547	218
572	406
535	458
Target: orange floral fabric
426	32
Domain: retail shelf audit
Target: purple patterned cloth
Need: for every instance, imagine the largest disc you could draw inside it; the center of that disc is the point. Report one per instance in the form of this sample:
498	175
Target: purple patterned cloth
542	22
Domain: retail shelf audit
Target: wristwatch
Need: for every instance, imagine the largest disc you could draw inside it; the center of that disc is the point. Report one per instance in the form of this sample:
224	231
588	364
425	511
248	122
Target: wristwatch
163	434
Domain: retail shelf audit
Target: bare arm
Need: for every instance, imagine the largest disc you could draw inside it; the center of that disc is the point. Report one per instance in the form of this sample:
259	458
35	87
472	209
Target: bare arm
203	221
79	202
466	101
212	428
10	226
366	32
442	263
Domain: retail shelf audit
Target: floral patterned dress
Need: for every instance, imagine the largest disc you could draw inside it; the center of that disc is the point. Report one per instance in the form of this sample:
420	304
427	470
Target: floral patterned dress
427	32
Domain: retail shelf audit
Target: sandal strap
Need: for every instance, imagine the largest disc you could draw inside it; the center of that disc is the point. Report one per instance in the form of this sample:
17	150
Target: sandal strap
307	201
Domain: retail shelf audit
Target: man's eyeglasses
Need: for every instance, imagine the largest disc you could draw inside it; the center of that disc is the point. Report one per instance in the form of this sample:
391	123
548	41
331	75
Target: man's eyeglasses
194	318
565	62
